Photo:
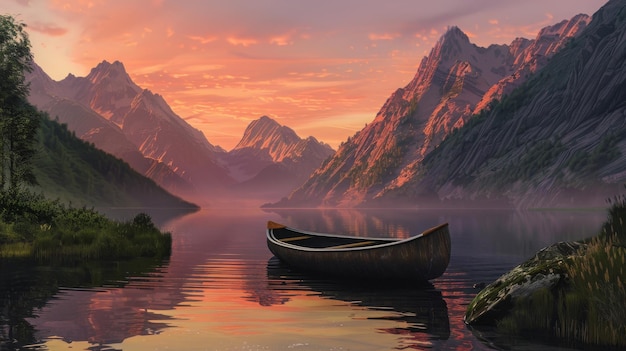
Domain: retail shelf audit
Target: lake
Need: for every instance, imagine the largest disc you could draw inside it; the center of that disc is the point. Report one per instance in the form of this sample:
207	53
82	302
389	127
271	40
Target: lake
222	290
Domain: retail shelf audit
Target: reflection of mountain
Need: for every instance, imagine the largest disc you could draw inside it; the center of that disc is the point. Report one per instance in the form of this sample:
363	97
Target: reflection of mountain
216	285
118	310
421	308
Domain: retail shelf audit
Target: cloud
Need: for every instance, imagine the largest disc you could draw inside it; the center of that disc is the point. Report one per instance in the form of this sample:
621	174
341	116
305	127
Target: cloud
48	29
241	41
302	61
200	39
281	40
383	36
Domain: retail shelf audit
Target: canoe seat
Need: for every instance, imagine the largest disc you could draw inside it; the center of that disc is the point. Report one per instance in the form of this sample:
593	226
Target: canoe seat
296	238
357	244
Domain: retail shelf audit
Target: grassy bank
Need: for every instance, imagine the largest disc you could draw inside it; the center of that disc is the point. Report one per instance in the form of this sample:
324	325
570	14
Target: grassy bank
32	226
589	306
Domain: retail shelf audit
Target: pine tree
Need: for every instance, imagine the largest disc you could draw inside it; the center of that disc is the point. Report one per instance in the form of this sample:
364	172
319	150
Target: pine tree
18	119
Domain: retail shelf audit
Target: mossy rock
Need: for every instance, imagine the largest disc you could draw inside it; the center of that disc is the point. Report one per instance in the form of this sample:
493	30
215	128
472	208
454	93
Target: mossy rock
544	271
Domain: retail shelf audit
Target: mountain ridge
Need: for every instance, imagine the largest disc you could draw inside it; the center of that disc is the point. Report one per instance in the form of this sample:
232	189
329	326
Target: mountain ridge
109	110
268	148
442	97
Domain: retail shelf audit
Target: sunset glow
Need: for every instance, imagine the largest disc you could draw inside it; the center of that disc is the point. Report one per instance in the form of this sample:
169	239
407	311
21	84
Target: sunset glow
322	68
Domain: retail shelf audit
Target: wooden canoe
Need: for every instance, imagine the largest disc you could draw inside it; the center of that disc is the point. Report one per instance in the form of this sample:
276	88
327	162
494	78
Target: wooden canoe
419	258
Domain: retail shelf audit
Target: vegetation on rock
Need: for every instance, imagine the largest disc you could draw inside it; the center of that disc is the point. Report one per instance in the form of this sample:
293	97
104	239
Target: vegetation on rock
577	295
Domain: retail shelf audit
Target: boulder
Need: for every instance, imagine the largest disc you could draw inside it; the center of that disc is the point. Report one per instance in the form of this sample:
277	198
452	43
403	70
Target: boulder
543	271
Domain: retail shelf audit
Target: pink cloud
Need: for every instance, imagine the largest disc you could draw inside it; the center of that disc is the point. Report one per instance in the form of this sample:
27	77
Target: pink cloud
48	29
281	40
383	36
201	39
305	62
241	41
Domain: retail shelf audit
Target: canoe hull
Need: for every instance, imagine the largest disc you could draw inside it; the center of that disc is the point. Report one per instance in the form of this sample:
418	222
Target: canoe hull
420	259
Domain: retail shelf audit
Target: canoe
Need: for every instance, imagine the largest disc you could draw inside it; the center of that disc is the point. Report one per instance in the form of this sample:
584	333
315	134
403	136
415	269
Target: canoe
419	258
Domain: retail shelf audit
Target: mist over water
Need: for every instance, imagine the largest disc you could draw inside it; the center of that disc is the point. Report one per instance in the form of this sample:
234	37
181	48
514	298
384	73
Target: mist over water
222	290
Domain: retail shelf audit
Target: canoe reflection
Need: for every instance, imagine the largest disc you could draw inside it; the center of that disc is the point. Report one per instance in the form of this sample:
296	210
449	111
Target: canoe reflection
420	310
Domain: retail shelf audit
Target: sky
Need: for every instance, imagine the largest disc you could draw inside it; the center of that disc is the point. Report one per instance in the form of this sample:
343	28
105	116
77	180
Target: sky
323	68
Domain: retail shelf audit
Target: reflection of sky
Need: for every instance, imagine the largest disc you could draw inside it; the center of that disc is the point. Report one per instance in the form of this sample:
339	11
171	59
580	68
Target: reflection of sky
218	290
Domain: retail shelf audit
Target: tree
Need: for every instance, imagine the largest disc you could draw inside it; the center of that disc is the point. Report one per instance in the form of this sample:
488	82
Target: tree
18	119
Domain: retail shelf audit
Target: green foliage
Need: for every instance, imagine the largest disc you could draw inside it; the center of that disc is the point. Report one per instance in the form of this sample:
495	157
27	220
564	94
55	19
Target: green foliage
589	307
384	166
18	119
76	171
597	289
48	231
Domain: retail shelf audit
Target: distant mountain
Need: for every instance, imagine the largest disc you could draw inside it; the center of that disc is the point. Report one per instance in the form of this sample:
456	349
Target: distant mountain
76	172
272	159
108	109
456	81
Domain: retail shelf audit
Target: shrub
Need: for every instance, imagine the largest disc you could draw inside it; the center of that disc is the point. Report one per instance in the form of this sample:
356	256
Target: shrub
51	231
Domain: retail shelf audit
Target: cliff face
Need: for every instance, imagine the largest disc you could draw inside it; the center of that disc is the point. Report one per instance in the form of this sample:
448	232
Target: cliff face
557	140
456	80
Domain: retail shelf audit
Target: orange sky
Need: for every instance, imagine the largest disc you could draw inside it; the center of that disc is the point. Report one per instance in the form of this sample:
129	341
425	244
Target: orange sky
323	68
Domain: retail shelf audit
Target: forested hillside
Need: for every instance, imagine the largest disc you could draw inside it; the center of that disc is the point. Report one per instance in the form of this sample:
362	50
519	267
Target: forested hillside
75	171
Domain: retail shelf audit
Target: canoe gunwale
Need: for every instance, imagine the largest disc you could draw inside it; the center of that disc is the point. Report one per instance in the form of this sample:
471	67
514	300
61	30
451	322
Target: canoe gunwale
390	241
418	258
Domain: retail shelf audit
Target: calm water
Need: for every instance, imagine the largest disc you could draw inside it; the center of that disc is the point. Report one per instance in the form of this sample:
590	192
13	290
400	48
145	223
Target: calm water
221	289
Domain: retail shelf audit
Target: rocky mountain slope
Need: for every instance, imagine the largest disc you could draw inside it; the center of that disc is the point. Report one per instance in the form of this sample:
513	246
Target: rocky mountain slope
272	159
557	140
108	109
457	80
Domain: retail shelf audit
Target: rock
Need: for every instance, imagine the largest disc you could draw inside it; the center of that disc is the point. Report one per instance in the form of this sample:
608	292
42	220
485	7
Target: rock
543	271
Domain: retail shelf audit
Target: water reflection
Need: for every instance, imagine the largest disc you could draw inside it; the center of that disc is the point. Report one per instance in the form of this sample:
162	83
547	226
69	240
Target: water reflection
221	290
419	310
93	301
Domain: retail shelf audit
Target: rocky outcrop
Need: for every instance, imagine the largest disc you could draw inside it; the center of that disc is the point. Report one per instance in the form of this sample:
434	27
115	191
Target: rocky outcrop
544	271
455	81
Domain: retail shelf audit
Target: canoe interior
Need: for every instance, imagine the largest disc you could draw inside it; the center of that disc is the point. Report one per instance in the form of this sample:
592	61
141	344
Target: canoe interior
321	241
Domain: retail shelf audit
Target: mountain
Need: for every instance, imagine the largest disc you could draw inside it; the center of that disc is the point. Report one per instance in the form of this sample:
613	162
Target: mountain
272	159
74	171
557	140
455	82
108	109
